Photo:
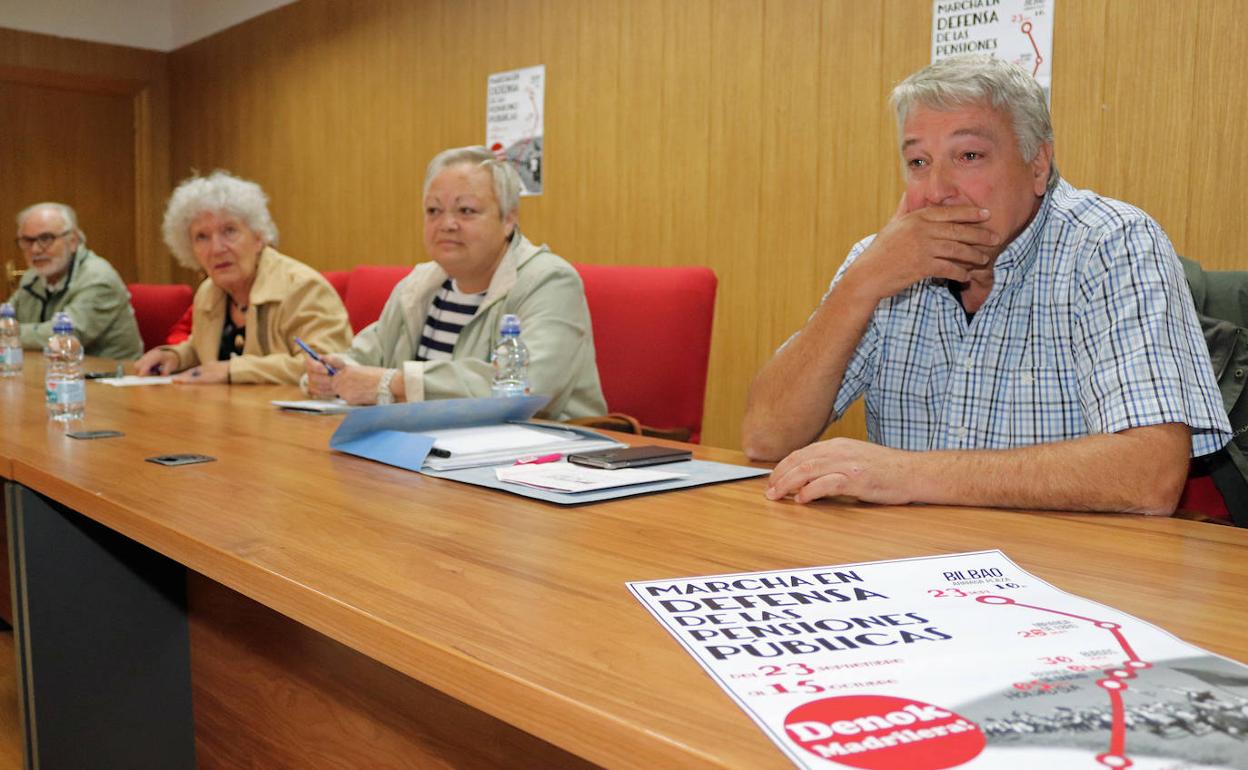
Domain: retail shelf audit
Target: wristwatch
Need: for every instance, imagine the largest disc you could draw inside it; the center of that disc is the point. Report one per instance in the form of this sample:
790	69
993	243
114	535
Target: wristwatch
384	396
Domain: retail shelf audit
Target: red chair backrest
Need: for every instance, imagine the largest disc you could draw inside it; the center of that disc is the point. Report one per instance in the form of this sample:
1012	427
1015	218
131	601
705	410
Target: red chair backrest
181	330
339	279
652	335
1200	495
157	307
368	290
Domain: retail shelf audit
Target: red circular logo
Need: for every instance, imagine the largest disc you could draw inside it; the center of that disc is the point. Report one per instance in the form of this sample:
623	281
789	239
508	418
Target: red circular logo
880	732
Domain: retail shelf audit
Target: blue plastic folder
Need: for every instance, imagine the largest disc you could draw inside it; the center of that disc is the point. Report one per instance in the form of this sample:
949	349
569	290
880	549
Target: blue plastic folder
391	434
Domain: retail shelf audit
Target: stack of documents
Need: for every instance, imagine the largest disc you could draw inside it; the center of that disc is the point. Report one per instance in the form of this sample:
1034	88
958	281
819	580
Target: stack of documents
500	444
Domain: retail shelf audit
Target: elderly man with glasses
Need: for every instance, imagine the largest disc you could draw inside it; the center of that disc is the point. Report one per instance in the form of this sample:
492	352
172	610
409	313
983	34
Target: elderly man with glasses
65	275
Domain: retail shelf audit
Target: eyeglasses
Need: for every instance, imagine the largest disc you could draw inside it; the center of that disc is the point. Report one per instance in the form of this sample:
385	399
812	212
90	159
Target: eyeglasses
26	242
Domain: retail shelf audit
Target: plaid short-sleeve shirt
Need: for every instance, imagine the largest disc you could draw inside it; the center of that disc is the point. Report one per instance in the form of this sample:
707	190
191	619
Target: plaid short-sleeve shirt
1089	328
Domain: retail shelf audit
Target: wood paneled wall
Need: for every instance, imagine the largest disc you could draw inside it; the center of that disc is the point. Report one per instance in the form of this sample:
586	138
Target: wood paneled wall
747	135
88	124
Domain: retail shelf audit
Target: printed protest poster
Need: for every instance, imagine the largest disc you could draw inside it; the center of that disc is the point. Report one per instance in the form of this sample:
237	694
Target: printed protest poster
963	660
1020	31
514	108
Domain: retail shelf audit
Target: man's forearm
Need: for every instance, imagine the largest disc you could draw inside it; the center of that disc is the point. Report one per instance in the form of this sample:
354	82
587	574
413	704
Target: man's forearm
792	397
1141	470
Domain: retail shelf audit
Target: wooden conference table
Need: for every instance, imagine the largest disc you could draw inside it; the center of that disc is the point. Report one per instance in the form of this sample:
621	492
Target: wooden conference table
323	610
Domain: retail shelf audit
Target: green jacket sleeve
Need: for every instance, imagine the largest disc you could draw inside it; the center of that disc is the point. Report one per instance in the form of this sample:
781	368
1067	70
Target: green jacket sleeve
91	307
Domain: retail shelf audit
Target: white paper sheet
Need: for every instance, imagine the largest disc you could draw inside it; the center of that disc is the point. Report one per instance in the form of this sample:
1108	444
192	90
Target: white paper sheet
1018	31
566	477
964	660
515	104
336	406
132	380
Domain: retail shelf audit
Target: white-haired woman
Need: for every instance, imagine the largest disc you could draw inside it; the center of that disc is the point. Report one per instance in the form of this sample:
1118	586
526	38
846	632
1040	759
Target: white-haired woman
255	300
435	333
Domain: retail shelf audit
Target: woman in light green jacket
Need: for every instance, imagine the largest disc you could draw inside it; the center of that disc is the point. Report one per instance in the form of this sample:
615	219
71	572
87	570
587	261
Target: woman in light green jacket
436	331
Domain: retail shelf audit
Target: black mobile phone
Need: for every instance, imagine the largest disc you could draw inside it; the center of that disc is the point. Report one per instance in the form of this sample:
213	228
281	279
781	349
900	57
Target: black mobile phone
631	457
90	434
186	459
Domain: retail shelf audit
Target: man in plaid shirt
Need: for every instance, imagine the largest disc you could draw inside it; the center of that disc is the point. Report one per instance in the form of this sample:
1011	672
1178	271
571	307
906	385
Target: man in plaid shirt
1019	343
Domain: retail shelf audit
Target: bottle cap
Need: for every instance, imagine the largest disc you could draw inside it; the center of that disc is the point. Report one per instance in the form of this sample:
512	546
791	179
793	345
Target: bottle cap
510	324
62	324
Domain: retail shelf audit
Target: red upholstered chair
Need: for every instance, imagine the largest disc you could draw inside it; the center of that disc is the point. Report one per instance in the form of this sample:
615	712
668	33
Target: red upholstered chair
368	290
181	331
1201	497
340	280
652	335
156	308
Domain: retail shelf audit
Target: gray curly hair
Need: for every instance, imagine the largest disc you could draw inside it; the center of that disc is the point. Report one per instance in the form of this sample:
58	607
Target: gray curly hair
506	180
970	79
221	193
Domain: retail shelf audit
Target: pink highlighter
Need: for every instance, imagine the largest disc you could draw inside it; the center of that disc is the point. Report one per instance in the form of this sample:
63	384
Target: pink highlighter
538	459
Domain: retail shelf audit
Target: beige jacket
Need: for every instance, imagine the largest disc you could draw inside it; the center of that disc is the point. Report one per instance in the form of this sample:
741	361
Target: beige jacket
288	300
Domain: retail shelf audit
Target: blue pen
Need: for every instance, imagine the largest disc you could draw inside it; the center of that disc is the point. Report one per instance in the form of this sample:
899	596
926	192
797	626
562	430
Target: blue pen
312	354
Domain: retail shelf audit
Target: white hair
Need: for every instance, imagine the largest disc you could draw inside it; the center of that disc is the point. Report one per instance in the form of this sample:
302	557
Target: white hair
977	79
220	193
69	217
506	180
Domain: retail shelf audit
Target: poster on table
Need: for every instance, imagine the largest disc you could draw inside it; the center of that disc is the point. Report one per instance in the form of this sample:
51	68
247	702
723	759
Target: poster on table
963	660
1020	31
514	108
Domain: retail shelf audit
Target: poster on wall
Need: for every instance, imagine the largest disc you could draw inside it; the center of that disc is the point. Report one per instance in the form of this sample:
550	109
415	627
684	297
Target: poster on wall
514	108
961	660
1020	31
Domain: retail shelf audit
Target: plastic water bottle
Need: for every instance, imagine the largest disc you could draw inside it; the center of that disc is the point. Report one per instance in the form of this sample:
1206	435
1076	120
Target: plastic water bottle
64	386
511	361
10	342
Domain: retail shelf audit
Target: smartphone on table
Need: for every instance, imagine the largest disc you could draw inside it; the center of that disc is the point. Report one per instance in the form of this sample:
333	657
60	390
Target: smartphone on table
630	457
180	459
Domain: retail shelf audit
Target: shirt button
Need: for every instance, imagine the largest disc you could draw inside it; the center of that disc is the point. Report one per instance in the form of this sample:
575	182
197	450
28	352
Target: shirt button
960	431
1239	374
968	364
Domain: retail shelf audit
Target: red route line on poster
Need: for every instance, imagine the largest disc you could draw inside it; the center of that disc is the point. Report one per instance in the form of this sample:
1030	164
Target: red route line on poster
1027	31
1114	684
